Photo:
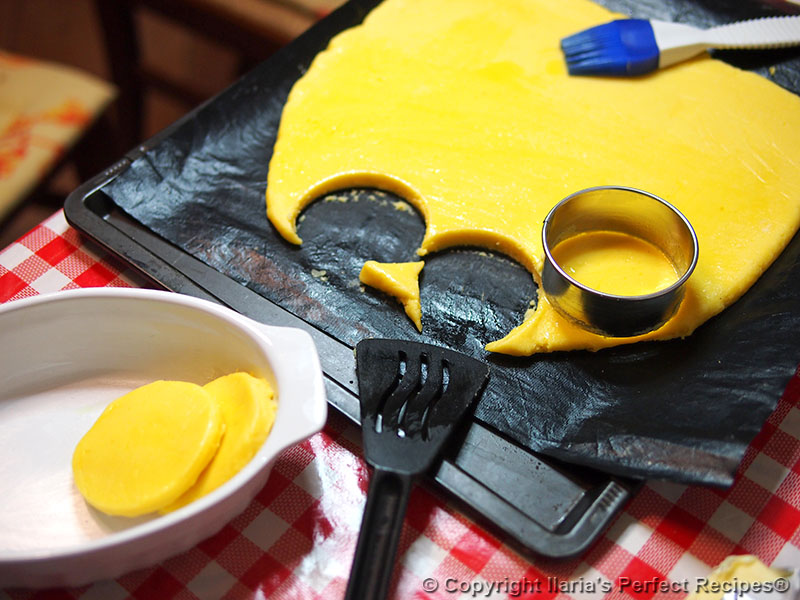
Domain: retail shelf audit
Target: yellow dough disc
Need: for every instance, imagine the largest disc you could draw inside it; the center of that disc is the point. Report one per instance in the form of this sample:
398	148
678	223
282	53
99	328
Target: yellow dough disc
615	263
147	448
469	114
248	410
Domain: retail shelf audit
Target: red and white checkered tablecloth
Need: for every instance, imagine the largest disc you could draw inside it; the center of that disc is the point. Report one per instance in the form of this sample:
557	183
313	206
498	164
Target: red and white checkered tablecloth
297	538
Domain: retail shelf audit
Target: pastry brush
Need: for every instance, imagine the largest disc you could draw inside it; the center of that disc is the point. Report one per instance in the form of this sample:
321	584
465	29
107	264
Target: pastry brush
638	46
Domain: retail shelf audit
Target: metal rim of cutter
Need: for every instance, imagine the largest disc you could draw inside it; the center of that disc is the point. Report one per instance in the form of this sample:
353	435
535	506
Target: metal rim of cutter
629	211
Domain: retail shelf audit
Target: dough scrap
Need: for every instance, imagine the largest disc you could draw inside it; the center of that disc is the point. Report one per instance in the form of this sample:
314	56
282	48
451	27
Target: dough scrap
400	280
469	114
737	572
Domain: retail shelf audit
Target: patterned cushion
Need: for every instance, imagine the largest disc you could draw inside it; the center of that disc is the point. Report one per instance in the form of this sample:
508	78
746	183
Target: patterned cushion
44	110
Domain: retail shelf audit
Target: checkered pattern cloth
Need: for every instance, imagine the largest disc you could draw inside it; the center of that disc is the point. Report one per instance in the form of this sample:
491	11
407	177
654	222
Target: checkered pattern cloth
297	538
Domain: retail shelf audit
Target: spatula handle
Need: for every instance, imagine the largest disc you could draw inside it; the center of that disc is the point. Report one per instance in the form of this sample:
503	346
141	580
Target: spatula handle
387	500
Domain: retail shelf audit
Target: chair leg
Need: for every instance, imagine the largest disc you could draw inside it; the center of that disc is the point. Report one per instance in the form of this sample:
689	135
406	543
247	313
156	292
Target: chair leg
122	47
100	146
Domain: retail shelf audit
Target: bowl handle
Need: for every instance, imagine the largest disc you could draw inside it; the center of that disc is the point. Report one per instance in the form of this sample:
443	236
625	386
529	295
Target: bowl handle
299	377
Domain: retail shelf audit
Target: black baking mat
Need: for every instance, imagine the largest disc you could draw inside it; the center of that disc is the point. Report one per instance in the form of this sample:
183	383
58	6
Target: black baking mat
684	409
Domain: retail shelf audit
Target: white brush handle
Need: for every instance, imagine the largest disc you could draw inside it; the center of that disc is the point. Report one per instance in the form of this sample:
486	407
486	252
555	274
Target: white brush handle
770	32
677	42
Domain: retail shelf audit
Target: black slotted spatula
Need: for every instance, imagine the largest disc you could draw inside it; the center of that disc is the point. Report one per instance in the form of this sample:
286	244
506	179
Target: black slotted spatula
413	396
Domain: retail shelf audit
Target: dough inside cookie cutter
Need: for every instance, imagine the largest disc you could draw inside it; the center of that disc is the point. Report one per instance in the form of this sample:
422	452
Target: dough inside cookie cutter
627	211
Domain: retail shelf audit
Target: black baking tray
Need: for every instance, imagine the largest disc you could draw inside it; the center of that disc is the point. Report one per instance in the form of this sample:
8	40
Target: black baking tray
537	502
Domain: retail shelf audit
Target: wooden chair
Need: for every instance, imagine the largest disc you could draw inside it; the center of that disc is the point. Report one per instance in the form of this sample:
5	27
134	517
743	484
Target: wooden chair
253	28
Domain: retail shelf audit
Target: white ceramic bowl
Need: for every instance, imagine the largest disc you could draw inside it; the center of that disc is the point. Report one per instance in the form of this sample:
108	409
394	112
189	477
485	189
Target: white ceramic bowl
63	358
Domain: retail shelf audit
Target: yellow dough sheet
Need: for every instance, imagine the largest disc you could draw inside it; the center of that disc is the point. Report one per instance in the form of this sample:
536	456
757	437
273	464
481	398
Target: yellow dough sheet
464	107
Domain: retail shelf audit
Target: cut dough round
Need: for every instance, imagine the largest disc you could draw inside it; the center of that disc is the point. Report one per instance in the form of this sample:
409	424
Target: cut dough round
248	410
147	448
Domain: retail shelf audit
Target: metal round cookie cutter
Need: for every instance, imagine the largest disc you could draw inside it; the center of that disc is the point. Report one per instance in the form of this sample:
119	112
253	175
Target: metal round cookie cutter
629	211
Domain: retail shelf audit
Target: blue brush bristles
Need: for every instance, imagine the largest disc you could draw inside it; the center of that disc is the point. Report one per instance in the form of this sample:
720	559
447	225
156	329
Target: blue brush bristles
622	47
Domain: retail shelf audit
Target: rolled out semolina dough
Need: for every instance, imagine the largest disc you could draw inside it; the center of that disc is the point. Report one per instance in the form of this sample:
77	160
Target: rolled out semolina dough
464	107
